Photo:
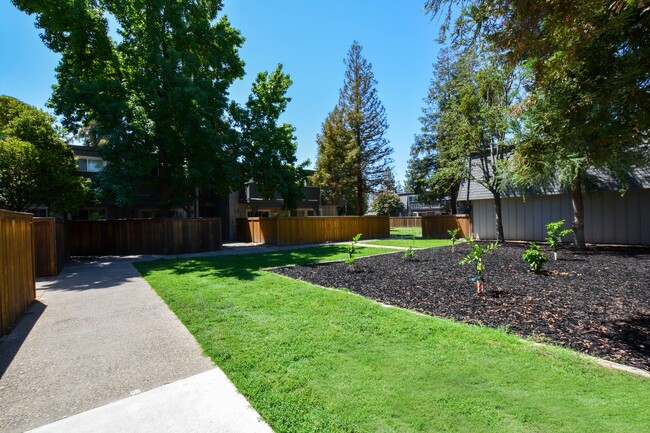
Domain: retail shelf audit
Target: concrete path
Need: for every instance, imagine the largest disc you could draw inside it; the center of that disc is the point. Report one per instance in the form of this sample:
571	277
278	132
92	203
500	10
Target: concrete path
97	334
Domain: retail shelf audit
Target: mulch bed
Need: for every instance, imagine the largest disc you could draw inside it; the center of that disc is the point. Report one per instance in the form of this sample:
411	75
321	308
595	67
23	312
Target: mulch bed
596	301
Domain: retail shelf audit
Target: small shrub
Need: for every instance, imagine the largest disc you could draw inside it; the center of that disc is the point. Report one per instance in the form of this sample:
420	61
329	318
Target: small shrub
476	256
409	254
534	257
352	251
454	239
555	233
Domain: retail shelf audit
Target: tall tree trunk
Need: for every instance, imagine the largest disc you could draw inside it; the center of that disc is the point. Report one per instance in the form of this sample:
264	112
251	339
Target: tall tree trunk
359	194
453	201
498	222
578	213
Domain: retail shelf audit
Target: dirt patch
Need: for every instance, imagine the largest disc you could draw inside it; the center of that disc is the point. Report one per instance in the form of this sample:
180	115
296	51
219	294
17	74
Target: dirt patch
596	301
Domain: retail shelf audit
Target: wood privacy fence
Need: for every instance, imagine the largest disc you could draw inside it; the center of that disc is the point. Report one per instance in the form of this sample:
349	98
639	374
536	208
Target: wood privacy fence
144	236
51	245
436	226
406	222
17	276
294	231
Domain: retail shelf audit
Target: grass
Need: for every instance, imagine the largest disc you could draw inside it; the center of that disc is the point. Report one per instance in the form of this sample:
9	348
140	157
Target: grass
311	359
416	243
406	231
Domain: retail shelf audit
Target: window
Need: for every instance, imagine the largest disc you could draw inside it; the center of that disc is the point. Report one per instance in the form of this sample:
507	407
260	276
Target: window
90	165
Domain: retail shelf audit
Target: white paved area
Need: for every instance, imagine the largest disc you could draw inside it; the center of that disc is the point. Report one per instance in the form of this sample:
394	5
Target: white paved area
206	402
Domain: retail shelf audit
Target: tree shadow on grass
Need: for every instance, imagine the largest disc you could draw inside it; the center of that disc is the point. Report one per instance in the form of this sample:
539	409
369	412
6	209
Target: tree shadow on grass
242	267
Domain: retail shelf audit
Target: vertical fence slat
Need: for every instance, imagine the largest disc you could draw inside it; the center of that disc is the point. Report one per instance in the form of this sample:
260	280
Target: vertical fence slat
436	226
304	230
17	263
126	237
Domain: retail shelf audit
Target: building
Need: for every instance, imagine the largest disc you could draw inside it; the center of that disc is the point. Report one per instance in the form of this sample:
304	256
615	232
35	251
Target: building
247	202
609	217
412	207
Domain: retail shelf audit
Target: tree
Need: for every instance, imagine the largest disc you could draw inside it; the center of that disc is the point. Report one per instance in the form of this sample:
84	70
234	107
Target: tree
467	119
387	203
589	98
157	96
336	160
269	149
36	165
361	151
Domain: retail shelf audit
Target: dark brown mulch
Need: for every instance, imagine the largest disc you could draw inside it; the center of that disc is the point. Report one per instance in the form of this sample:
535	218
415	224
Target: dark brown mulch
596	301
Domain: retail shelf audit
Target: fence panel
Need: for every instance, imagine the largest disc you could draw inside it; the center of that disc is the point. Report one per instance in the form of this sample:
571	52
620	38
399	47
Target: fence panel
405	222
18	276
51	245
436	226
144	236
306	230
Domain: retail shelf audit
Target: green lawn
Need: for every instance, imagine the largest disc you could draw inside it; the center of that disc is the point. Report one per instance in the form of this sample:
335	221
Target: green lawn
311	359
406	231
416	243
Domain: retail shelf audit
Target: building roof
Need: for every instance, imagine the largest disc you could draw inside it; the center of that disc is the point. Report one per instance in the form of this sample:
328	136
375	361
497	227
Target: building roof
596	180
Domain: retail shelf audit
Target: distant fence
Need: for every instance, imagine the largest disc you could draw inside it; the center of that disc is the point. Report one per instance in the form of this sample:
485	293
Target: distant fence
144	236
405	222
18	277
294	231
436	226
51	242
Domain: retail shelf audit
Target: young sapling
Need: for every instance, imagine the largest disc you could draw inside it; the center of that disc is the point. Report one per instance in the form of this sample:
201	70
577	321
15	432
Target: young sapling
555	233
409	254
534	257
454	239
476	256
352	251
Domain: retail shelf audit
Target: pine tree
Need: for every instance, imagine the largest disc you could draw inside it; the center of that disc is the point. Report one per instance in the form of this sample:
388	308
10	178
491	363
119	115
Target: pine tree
361	124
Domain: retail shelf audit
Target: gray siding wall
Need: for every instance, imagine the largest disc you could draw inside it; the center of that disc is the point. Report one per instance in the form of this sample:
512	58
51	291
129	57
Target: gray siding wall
609	218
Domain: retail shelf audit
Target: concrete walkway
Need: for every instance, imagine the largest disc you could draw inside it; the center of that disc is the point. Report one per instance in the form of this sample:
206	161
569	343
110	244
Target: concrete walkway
99	334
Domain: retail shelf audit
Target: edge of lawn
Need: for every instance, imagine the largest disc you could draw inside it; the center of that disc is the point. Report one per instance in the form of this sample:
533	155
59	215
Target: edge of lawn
561	361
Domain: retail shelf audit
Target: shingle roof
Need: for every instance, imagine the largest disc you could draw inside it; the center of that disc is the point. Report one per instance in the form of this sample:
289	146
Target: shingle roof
597	180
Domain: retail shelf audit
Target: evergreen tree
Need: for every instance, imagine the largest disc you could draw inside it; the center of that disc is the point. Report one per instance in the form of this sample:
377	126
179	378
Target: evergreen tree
336	160
362	153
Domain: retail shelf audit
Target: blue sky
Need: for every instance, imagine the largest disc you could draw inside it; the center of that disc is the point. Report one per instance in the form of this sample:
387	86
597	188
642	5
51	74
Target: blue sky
309	38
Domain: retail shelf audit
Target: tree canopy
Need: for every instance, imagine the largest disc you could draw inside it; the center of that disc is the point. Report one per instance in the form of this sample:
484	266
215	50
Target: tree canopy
353	152
588	102
387	203
466	127
157	95
37	167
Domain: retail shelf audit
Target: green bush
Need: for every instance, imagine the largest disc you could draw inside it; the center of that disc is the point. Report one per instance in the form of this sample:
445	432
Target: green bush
534	257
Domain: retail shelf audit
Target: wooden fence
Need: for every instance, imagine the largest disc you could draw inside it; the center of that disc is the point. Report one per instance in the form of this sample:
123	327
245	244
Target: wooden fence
436	226
294	231
405	222
18	277
144	236
51	244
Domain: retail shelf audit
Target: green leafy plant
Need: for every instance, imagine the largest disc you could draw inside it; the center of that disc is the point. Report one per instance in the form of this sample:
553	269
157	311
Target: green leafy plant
454	239
352	251
534	257
409	254
475	255
555	233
